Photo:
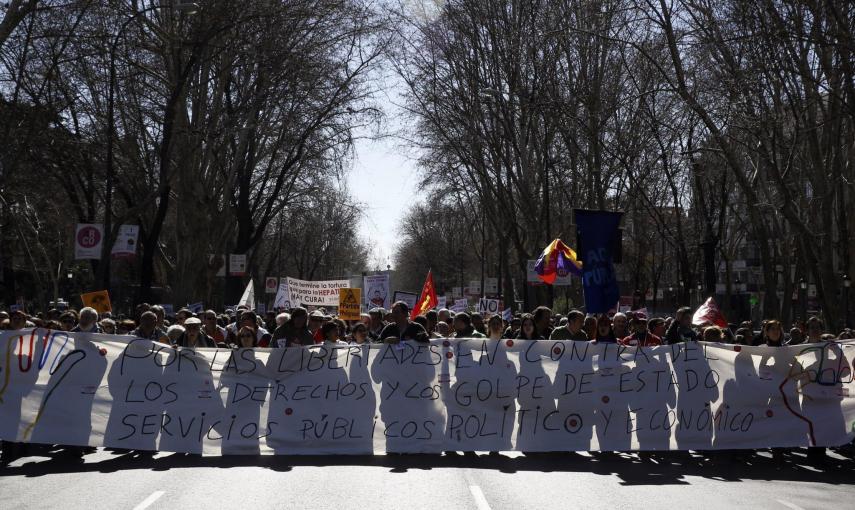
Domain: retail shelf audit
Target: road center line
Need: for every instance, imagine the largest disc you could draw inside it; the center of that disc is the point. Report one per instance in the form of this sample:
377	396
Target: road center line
789	505
154	496
480	500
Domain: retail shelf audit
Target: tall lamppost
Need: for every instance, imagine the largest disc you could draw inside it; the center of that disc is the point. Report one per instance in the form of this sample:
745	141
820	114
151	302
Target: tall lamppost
846	284
803	297
700	294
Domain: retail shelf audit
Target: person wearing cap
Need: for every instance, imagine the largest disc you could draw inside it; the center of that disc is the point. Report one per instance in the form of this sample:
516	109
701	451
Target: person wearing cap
572	330
193	336
316	320
294	332
401	328
640	337
376	325
182	315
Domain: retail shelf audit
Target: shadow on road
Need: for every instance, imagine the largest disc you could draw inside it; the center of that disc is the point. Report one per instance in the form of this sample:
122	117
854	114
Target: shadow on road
668	468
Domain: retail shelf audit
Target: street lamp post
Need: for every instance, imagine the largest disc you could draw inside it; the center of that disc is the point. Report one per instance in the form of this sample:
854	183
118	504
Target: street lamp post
803	297
700	294
846	284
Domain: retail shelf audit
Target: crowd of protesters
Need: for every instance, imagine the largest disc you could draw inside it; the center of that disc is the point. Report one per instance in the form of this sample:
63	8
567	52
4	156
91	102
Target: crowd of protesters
243	328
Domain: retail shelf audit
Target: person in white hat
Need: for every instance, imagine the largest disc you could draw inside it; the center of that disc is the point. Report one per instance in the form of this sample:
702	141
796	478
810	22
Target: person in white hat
193	337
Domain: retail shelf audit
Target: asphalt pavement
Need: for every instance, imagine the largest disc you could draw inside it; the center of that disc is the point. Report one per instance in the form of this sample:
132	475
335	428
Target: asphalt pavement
57	478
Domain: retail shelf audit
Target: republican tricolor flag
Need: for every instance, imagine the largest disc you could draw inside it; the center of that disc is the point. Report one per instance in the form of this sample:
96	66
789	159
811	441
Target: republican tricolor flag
427	300
557	259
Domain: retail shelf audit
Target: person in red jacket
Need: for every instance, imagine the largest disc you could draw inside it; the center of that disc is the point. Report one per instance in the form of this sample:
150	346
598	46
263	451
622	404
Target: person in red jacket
640	337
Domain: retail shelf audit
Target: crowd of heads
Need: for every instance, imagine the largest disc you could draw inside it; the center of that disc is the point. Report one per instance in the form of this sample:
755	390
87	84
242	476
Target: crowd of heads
243	328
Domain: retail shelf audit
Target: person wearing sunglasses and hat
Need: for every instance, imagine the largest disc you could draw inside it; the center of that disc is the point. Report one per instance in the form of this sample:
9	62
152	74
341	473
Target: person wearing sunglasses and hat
193	337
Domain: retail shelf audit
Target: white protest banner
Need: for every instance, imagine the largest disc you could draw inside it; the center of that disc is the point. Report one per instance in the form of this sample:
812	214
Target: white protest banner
457	292
376	291
283	296
407	297
126	241
317	293
237	264
168	309
507	315
88	239
488	306
448	395
198	307
271	284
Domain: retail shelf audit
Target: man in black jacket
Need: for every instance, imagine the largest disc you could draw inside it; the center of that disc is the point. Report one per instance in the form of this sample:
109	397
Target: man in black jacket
680	329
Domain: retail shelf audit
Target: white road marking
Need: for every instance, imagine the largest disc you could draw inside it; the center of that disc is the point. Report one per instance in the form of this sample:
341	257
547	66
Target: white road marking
480	500
154	496
789	505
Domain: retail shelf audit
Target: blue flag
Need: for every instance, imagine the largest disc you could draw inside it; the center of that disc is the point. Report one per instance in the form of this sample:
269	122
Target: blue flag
597	231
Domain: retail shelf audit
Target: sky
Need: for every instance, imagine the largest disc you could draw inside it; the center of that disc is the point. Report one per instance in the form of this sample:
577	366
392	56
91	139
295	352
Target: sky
384	178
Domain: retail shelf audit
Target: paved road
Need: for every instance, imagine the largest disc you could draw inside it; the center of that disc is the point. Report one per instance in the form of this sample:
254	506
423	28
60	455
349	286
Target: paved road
117	480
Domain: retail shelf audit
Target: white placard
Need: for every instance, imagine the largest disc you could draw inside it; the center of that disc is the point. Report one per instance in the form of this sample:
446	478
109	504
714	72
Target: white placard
375	289
316	293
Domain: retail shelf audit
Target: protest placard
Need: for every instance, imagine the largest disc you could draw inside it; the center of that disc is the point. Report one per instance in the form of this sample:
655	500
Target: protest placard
349	304
317	293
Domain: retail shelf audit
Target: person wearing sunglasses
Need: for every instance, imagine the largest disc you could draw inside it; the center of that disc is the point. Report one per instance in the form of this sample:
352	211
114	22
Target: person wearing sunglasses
210	327
67	321
246	338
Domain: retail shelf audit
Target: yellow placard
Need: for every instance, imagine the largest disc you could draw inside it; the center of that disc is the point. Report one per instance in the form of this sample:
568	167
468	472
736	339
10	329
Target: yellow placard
99	300
349	304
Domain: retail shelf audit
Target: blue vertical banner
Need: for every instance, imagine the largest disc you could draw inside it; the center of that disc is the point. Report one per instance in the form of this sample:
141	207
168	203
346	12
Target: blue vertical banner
597	233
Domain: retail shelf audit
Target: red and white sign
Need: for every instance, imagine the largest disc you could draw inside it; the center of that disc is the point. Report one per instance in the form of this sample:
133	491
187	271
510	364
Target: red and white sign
88	240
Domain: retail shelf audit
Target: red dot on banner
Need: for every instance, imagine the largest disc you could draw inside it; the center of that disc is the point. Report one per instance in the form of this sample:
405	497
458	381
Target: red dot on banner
288	411
769	413
446	343
737	348
449	355
605	399
573	422
103	351
509	343
556	350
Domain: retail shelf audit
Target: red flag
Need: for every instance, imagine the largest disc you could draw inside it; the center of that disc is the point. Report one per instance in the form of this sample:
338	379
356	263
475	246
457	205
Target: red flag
709	313
427	300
